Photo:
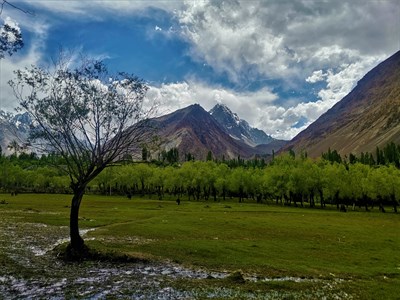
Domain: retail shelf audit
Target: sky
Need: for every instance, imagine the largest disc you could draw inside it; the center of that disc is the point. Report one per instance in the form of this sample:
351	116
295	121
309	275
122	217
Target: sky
278	64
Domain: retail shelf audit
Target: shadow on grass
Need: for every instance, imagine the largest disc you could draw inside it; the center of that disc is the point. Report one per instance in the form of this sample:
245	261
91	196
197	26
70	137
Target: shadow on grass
66	253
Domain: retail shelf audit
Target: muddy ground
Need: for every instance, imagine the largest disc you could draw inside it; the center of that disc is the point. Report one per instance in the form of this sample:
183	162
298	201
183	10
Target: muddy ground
31	270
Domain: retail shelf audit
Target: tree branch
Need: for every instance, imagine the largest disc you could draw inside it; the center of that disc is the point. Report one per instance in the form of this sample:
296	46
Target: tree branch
28	12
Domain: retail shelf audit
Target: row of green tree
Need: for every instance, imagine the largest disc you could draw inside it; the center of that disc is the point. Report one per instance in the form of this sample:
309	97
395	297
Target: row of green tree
286	181
389	154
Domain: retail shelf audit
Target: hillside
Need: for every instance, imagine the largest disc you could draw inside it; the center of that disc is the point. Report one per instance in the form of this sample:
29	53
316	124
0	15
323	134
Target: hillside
193	130
369	116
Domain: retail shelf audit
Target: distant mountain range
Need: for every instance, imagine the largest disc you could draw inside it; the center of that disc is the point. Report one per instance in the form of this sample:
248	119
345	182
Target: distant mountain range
193	130
369	116
190	130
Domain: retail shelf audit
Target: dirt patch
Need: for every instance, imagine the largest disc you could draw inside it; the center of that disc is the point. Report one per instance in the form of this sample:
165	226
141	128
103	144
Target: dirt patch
31	270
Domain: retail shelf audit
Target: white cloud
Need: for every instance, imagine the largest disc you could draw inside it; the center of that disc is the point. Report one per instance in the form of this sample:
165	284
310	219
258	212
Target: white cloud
33	54
97	9
7	67
230	37
316	76
284	39
178	95
341	82
282	122
256	107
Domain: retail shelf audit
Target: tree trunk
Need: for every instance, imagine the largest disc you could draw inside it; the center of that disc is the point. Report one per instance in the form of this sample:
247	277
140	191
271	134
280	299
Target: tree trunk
321	196
312	202
214	191
394	202
76	240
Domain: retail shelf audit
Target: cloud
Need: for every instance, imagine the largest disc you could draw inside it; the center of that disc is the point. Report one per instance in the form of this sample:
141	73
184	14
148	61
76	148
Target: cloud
258	107
101	8
339	82
230	37
8	65
31	54
342	81
249	40
366	26
174	96
282	39
316	76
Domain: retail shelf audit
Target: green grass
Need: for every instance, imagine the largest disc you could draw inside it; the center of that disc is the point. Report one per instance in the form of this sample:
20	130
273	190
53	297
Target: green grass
361	247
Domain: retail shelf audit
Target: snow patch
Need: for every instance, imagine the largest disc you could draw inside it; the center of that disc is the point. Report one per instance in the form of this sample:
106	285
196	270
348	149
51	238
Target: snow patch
42	251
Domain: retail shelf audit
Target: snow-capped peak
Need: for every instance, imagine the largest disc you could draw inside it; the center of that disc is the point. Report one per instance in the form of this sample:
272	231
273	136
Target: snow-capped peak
240	129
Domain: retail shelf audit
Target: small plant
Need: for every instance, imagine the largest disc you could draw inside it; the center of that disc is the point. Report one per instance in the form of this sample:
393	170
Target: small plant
236	277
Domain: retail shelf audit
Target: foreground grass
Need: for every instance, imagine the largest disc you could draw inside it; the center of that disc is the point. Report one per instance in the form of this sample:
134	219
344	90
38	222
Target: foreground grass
269	241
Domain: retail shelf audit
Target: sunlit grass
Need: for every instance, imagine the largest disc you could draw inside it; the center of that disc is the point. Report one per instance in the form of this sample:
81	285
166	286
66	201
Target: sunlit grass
362	247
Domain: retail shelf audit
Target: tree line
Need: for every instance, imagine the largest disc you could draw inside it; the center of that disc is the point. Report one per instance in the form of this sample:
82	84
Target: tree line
286	180
389	154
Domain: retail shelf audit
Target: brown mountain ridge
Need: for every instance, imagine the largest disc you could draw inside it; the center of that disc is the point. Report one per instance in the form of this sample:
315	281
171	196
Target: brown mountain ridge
369	116
193	130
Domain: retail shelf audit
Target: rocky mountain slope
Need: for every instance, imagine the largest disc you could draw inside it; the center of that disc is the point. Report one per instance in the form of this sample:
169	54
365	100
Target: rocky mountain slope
237	128
193	130
13	128
369	116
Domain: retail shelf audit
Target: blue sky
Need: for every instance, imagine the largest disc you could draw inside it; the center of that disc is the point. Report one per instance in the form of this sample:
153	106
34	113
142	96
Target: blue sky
277	64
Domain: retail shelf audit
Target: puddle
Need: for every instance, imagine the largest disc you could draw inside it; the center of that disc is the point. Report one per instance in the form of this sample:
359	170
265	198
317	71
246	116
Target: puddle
36	273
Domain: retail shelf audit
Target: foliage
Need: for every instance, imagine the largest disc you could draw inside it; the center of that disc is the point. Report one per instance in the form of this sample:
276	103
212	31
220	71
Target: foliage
389	154
332	156
87	116
286	181
170	157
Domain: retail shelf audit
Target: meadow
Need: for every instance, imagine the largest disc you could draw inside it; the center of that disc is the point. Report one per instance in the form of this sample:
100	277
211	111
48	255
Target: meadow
290	252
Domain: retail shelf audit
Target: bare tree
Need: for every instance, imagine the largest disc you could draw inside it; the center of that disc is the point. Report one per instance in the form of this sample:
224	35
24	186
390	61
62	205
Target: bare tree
86	115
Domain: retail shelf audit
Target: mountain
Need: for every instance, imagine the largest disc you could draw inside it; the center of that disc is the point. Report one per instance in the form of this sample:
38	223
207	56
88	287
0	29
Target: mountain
13	127
369	116
193	130
237	128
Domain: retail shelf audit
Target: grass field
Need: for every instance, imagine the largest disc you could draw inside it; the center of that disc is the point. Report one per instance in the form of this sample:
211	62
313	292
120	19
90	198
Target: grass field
357	251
